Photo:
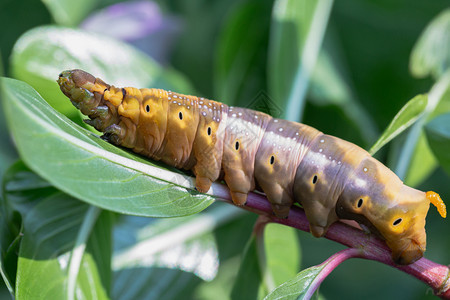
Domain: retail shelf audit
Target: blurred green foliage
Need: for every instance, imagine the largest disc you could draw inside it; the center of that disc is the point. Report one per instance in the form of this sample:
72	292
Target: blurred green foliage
375	57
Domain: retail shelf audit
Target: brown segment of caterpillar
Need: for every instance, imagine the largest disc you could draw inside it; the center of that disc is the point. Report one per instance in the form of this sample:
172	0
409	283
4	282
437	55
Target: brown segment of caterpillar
291	162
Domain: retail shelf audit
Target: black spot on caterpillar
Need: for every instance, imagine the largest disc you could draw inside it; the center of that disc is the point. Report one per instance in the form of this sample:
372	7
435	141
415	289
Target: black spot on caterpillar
209	137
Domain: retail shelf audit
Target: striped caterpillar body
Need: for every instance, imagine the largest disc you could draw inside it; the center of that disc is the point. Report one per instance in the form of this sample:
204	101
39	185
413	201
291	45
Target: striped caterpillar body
331	179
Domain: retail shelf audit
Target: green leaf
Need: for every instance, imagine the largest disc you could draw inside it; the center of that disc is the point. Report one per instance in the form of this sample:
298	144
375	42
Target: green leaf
239	76
297	30
248	282
154	283
47	264
409	113
431	53
43	52
23	189
282	251
298	287
438	135
189	246
423	162
330	87
67	12
81	164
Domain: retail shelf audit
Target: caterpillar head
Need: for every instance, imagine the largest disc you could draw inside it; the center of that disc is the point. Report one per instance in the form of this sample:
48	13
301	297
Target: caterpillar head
87	94
376	198
77	85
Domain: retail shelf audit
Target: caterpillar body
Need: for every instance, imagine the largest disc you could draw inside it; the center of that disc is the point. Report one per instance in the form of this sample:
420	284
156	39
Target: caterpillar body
290	162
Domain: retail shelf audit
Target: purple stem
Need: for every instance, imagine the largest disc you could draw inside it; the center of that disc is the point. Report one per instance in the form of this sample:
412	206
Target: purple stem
329	265
368	246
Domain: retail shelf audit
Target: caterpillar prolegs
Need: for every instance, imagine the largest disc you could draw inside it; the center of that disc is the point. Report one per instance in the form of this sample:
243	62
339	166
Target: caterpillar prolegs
331	179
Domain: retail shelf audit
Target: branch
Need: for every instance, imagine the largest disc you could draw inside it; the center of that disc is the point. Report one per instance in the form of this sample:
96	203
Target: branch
435	275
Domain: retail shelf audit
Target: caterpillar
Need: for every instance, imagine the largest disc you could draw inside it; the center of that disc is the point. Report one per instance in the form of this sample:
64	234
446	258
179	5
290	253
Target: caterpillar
290	162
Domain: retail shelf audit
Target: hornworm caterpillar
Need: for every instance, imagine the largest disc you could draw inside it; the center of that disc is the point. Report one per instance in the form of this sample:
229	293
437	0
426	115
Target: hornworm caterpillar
331	179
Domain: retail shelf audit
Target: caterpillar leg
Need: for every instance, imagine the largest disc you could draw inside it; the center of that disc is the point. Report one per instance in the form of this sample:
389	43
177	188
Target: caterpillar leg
239	198
280	210
203	184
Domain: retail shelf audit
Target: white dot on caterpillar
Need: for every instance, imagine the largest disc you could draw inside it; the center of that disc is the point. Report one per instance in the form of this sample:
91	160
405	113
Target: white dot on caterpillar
233	115
169	98
218	120
275	121
175	96
188	107
246	133
256	117
204	113
365	169
210	110
339	162
320	150
322	141
205	107
174	101
280	129
329	157
179	103
201	102
240	114
289	149
209	103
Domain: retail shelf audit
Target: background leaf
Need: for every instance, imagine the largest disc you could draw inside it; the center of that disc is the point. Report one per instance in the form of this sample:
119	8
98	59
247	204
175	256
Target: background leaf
51	228
297	31
69	13
438	135
404	119
43	52
431	54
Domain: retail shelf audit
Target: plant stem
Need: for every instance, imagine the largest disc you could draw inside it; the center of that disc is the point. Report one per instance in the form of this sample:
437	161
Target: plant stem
330	264
368	246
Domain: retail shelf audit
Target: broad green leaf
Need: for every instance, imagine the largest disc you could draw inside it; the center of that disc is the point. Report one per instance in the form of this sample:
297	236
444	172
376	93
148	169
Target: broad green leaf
330	87
282	251
409	113
7	150
436	98
100	247
182	250
299	287
84	166
438	136
43	52
297	30
239	75
67	12
46	263
423	163
431	53
248	282
153	283
22	190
